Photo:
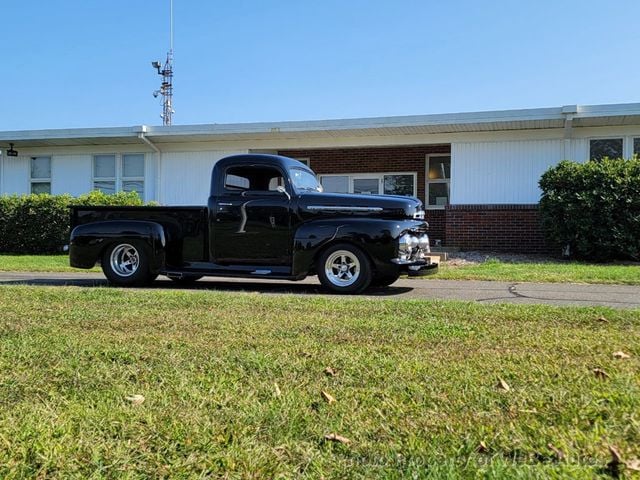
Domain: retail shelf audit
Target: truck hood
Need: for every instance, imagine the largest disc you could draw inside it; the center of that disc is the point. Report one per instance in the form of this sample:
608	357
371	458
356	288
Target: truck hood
378	206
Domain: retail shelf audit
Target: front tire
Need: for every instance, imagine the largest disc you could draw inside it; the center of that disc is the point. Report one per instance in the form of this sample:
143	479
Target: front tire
127	264
344	268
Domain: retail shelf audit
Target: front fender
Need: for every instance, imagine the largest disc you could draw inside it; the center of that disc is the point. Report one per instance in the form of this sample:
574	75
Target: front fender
89	241
377	237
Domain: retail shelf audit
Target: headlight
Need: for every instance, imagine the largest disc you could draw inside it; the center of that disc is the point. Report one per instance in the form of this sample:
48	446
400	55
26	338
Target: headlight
418	215
407	243
424	243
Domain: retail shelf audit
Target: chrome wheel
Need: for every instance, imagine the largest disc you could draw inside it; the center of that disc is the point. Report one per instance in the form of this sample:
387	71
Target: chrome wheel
124	260
342	268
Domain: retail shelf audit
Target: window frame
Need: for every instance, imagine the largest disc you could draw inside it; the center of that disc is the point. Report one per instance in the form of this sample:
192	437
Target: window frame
41	180
379	176
428	181
119	178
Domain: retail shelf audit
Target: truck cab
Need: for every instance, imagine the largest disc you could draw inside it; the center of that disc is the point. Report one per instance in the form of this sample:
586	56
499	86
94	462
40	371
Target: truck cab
266	216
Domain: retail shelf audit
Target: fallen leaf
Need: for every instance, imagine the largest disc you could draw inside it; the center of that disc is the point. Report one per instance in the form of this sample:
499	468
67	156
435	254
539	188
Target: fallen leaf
633	465
135	399
327	397
600	374
503	385
559	453
334	437
615	454
276	390
526	410
330	372
616	461
621	355
603	320
482	448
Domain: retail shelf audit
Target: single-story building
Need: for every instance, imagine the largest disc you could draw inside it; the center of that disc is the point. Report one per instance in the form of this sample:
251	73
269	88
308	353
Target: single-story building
477	173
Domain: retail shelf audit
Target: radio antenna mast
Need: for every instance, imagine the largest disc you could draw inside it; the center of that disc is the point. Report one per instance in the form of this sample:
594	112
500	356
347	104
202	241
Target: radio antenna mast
166	72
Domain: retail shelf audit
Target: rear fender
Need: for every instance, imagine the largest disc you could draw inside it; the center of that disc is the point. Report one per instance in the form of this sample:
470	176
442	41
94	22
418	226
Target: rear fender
89	241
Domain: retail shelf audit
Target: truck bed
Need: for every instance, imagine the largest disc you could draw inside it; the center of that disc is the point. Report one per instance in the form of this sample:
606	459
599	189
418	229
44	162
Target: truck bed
186	228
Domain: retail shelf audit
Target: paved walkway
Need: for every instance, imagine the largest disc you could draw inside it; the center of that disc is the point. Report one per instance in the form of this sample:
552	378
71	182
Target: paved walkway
617	296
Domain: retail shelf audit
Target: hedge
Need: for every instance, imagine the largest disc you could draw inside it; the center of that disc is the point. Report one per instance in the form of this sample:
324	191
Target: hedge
593	208
39	223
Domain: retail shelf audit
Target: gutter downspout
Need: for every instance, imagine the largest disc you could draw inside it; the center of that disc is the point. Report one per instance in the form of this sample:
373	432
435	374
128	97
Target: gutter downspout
568	111
153	146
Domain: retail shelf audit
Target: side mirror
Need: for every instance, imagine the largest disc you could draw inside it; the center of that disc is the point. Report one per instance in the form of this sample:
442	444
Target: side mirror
281	189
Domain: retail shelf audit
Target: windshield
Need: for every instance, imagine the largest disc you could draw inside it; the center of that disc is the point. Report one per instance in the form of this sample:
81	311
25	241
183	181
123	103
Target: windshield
304	181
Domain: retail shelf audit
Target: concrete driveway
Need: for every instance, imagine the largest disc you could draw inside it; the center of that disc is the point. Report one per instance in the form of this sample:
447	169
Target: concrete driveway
617	296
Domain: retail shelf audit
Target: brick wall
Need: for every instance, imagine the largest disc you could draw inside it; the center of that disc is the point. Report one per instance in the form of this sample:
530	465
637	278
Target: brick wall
371	160
505	228
437	226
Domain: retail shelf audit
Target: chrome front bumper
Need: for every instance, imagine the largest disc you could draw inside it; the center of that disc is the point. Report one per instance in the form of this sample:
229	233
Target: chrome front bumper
419	268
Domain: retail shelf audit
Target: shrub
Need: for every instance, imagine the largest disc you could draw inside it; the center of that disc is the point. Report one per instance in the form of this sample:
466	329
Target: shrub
40	223
594	208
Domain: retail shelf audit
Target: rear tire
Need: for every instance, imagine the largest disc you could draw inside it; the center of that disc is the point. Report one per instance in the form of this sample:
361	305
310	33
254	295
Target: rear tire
127	264
344	268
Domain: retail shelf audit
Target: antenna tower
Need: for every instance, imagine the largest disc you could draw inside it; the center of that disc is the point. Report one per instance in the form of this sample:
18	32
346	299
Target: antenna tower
166	72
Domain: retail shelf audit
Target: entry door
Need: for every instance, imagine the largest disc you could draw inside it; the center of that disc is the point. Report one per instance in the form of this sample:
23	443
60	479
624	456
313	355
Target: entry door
252	226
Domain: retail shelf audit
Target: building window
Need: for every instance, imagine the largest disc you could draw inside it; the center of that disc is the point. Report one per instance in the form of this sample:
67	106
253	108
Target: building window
438	180
636	146
115	173
133	174
605	147
371	184
40	174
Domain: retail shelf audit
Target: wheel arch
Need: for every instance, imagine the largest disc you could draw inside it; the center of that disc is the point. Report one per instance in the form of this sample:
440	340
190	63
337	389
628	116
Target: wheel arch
89	241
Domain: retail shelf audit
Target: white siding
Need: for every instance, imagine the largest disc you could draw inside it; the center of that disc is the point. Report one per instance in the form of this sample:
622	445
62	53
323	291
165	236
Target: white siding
16	175
501	172
186	176
70	174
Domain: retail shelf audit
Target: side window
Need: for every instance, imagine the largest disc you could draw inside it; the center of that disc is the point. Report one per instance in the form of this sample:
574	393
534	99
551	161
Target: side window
255	178
235	182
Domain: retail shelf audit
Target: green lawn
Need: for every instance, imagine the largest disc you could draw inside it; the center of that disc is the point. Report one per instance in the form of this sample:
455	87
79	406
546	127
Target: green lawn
36	263
232	385
559	271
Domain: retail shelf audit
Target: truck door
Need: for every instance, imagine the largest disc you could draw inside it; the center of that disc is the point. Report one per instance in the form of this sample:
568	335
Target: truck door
252	218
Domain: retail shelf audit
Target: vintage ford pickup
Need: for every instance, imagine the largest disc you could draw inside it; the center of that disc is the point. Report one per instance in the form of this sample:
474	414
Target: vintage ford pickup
266	217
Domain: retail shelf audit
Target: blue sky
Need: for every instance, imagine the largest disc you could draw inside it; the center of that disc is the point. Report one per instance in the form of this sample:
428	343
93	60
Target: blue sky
86	63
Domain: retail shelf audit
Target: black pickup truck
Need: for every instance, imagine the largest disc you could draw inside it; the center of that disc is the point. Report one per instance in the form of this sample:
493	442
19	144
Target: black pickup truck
266	217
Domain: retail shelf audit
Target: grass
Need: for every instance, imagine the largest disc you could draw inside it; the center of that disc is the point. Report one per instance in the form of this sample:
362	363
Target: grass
233	386
559	271
37	263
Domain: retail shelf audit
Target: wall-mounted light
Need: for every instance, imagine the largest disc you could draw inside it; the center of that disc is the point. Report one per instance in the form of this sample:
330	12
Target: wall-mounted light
11	152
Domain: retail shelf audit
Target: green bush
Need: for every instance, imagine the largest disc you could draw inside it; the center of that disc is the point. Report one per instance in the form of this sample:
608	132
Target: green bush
40	223
594	208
